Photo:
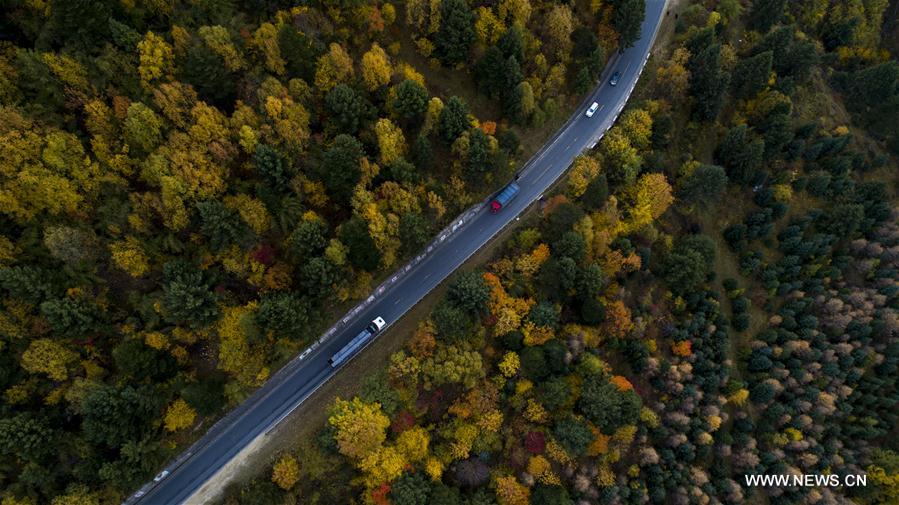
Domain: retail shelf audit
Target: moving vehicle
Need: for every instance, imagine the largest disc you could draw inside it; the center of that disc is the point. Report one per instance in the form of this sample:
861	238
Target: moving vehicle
592	109
358	341
504	197
615	77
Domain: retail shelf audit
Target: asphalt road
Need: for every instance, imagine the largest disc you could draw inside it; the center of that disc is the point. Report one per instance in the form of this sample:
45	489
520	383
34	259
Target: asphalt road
300	378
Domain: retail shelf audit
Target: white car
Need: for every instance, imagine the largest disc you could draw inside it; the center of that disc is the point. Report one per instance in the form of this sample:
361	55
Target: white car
592	109
163	474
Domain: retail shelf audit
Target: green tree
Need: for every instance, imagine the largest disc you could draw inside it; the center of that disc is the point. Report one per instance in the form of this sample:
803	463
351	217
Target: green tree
489	72
574	435
414	233
348	109
317	276
143	363
31	284
741	154
363	253
544	314
412	488
753	74
187	297
626	20
704	185
597	192
309	238
410	102
511	44
422	153
479	160
299	51
340	169
71	318
765	14
708	81
286	314
453	119
469	292
221	225
606	406
456	33
207	395
272	167
27	437
689	262
114	415
453	323
554	393
206	72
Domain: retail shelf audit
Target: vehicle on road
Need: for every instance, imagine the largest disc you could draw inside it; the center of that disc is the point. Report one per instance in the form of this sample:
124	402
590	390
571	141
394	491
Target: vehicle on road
163	474
358	341
504	197
615	77
592	109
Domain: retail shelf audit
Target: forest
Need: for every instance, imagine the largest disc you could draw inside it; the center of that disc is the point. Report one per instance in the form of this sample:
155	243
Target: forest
191	191
712	293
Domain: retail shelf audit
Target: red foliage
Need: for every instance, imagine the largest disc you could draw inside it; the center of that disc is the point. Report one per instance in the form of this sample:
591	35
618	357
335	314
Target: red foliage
379	494
264	254
402	422
534	442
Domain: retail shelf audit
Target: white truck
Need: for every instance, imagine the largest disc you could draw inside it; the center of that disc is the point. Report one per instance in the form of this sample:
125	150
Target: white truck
358	342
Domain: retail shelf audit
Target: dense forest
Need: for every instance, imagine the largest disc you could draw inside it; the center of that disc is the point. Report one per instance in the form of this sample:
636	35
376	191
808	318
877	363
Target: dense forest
714	292
190	191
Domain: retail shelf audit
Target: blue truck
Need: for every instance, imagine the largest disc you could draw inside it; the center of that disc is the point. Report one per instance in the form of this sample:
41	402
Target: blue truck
358	342
504	197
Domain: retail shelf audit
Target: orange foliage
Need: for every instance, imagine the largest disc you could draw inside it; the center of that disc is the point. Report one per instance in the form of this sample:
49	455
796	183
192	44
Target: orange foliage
600	444
682	348
618	319
488	127
380	493
554	202
422	343
621	383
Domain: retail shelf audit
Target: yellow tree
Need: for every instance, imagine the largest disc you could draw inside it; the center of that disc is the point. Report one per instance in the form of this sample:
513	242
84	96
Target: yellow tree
179	415
156	59
637	125
376	69
673	77
413	444
382	465
515	11
361	427
265	39
559	24
332	68
218	39
49	357
286	472
650	197
511	492
584	170
236	356
128	254
487	26
391	142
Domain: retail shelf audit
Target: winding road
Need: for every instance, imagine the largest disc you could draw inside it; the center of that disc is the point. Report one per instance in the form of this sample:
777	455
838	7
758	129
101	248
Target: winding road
297	380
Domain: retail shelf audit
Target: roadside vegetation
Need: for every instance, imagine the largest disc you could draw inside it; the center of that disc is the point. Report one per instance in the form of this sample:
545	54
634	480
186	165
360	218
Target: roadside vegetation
713	294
